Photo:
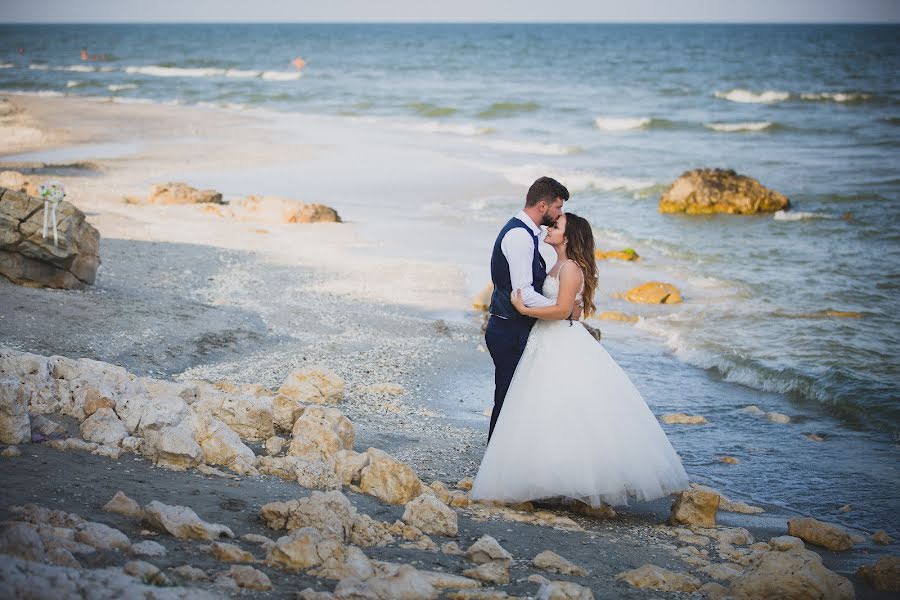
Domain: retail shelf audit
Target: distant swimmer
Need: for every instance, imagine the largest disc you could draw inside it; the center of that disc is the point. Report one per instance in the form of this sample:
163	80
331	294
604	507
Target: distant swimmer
298	63
84	54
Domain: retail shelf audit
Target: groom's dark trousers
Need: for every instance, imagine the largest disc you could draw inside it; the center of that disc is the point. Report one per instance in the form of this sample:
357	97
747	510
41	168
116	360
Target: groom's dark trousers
505	340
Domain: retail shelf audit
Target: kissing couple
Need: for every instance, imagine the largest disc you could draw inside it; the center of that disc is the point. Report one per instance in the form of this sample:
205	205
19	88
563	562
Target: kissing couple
567	421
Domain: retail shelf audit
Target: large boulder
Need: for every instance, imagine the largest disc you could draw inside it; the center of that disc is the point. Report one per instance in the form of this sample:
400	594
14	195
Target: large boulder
796	574
28	259
103	427
331	513
182	522
708	191
246	410
220	444
695	507
884	575
388	479
654	292
182	193
826	535
431	516
321	432
15	425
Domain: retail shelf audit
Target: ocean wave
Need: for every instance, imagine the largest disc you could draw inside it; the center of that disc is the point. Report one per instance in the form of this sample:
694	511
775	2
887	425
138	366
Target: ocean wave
621	123
741	126
34	67
6	65
751	97
41	93
157	71
281	75
452	128
796	215
426	109
72	83
531	147
575	181
121	86
843	97
507	109
241	74
71	68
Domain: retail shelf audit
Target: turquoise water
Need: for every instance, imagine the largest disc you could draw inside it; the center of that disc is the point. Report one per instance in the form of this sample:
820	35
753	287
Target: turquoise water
616	113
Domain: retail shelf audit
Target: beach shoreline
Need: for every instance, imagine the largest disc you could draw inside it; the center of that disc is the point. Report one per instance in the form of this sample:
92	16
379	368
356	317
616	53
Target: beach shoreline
183	294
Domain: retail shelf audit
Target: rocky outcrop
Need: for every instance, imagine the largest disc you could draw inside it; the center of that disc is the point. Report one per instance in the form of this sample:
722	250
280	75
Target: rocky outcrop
28	259
708	191
683	419
884	575
654	292
796	574
695	507
826	535
182	193
103	427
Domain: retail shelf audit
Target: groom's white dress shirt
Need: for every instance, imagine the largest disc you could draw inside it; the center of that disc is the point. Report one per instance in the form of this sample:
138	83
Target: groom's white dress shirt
518	248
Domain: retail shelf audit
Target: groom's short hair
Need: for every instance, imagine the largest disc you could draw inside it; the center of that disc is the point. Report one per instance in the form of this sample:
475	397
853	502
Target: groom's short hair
545	188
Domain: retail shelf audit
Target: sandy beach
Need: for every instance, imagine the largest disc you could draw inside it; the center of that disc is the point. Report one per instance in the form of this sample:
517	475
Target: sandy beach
185	294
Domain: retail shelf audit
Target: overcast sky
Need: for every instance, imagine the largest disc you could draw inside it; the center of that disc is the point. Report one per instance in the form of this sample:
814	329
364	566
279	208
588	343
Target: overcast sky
805	11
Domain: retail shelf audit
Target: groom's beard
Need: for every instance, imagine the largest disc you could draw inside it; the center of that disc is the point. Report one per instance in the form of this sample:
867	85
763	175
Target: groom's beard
547	220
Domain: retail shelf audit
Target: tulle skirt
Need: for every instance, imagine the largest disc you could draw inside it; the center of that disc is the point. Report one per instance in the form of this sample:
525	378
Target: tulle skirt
573	425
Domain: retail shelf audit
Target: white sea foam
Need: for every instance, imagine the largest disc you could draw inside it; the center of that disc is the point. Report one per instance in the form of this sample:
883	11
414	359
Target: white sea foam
522	147
238	73
39	67
836	96
746	126
79	68
156	71
6	65
750	97
42	93
796	215
453	128
621	123
72	83
574	180
118	87
281	75
127	100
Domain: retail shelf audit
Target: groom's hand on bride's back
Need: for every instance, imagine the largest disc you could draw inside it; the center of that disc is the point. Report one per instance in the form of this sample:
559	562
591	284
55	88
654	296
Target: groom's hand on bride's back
576	312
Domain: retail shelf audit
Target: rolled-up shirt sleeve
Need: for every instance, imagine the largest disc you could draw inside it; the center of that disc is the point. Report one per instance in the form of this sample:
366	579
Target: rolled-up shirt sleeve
518	248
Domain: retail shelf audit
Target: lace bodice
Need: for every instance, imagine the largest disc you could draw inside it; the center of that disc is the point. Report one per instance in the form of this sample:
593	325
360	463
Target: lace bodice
551	288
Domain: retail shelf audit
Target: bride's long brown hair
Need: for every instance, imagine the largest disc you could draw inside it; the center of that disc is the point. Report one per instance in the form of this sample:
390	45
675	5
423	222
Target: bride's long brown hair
580	248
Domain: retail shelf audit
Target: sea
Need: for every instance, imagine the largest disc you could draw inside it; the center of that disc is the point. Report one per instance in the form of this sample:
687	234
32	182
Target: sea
794	312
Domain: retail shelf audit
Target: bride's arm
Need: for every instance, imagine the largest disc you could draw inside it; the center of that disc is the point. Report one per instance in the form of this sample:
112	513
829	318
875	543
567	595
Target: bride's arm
569	284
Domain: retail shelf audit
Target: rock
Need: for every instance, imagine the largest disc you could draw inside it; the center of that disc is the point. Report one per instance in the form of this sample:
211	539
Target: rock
320	432
458	499
784	543
191	573
778	417
17	182
659	579
563	590
404	583
248	578
181	193
220	444
815	437
369	532
712	590
604	511
826	535
793	575
753	410
102	537
148	548
260	540
95	399
348	465
11	452
720	572
314	384
554	563
103	427
182	522
708	191
494	573
447	581
229	553
728	460
247	410
108	451
881	537
172	447
28	259
654	292
465	484
488	594
131	444
18	539
683	419
15	424
275	444
628	254
41	425
140	569
389	480
303	549
331	513
695	507
482	302
273	209
62	557
486	549
431	515
452	549
846	508
316	475
884	575
737	536
615	315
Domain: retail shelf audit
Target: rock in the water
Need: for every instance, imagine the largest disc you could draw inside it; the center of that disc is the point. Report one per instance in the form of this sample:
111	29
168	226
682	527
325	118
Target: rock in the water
388	479
27	258
628	254
103	427
884	575
493	573
191	573
882	538
182	522
615	315
695	507
486	549
554	563
708	191
248	578
659	579
776	417
15	425
792	575
683	419
654	292
182	193
431	516
828	536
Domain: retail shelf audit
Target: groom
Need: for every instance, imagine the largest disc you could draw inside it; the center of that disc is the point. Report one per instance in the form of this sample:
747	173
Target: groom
516	264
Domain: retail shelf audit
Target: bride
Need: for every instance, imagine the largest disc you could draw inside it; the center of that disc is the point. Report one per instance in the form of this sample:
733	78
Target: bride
573	425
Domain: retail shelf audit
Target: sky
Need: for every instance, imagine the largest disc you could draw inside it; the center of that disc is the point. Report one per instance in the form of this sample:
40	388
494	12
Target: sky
373	11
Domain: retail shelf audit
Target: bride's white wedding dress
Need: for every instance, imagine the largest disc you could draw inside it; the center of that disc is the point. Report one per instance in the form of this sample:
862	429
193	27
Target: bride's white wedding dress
573	425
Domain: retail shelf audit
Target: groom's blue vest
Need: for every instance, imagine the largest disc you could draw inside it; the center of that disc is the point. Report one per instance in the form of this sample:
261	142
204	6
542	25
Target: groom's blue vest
500	303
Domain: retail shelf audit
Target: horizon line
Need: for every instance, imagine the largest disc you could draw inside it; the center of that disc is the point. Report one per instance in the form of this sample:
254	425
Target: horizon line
460	22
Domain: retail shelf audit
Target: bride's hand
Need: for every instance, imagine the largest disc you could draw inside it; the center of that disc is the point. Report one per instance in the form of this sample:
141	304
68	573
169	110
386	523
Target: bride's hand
516	299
